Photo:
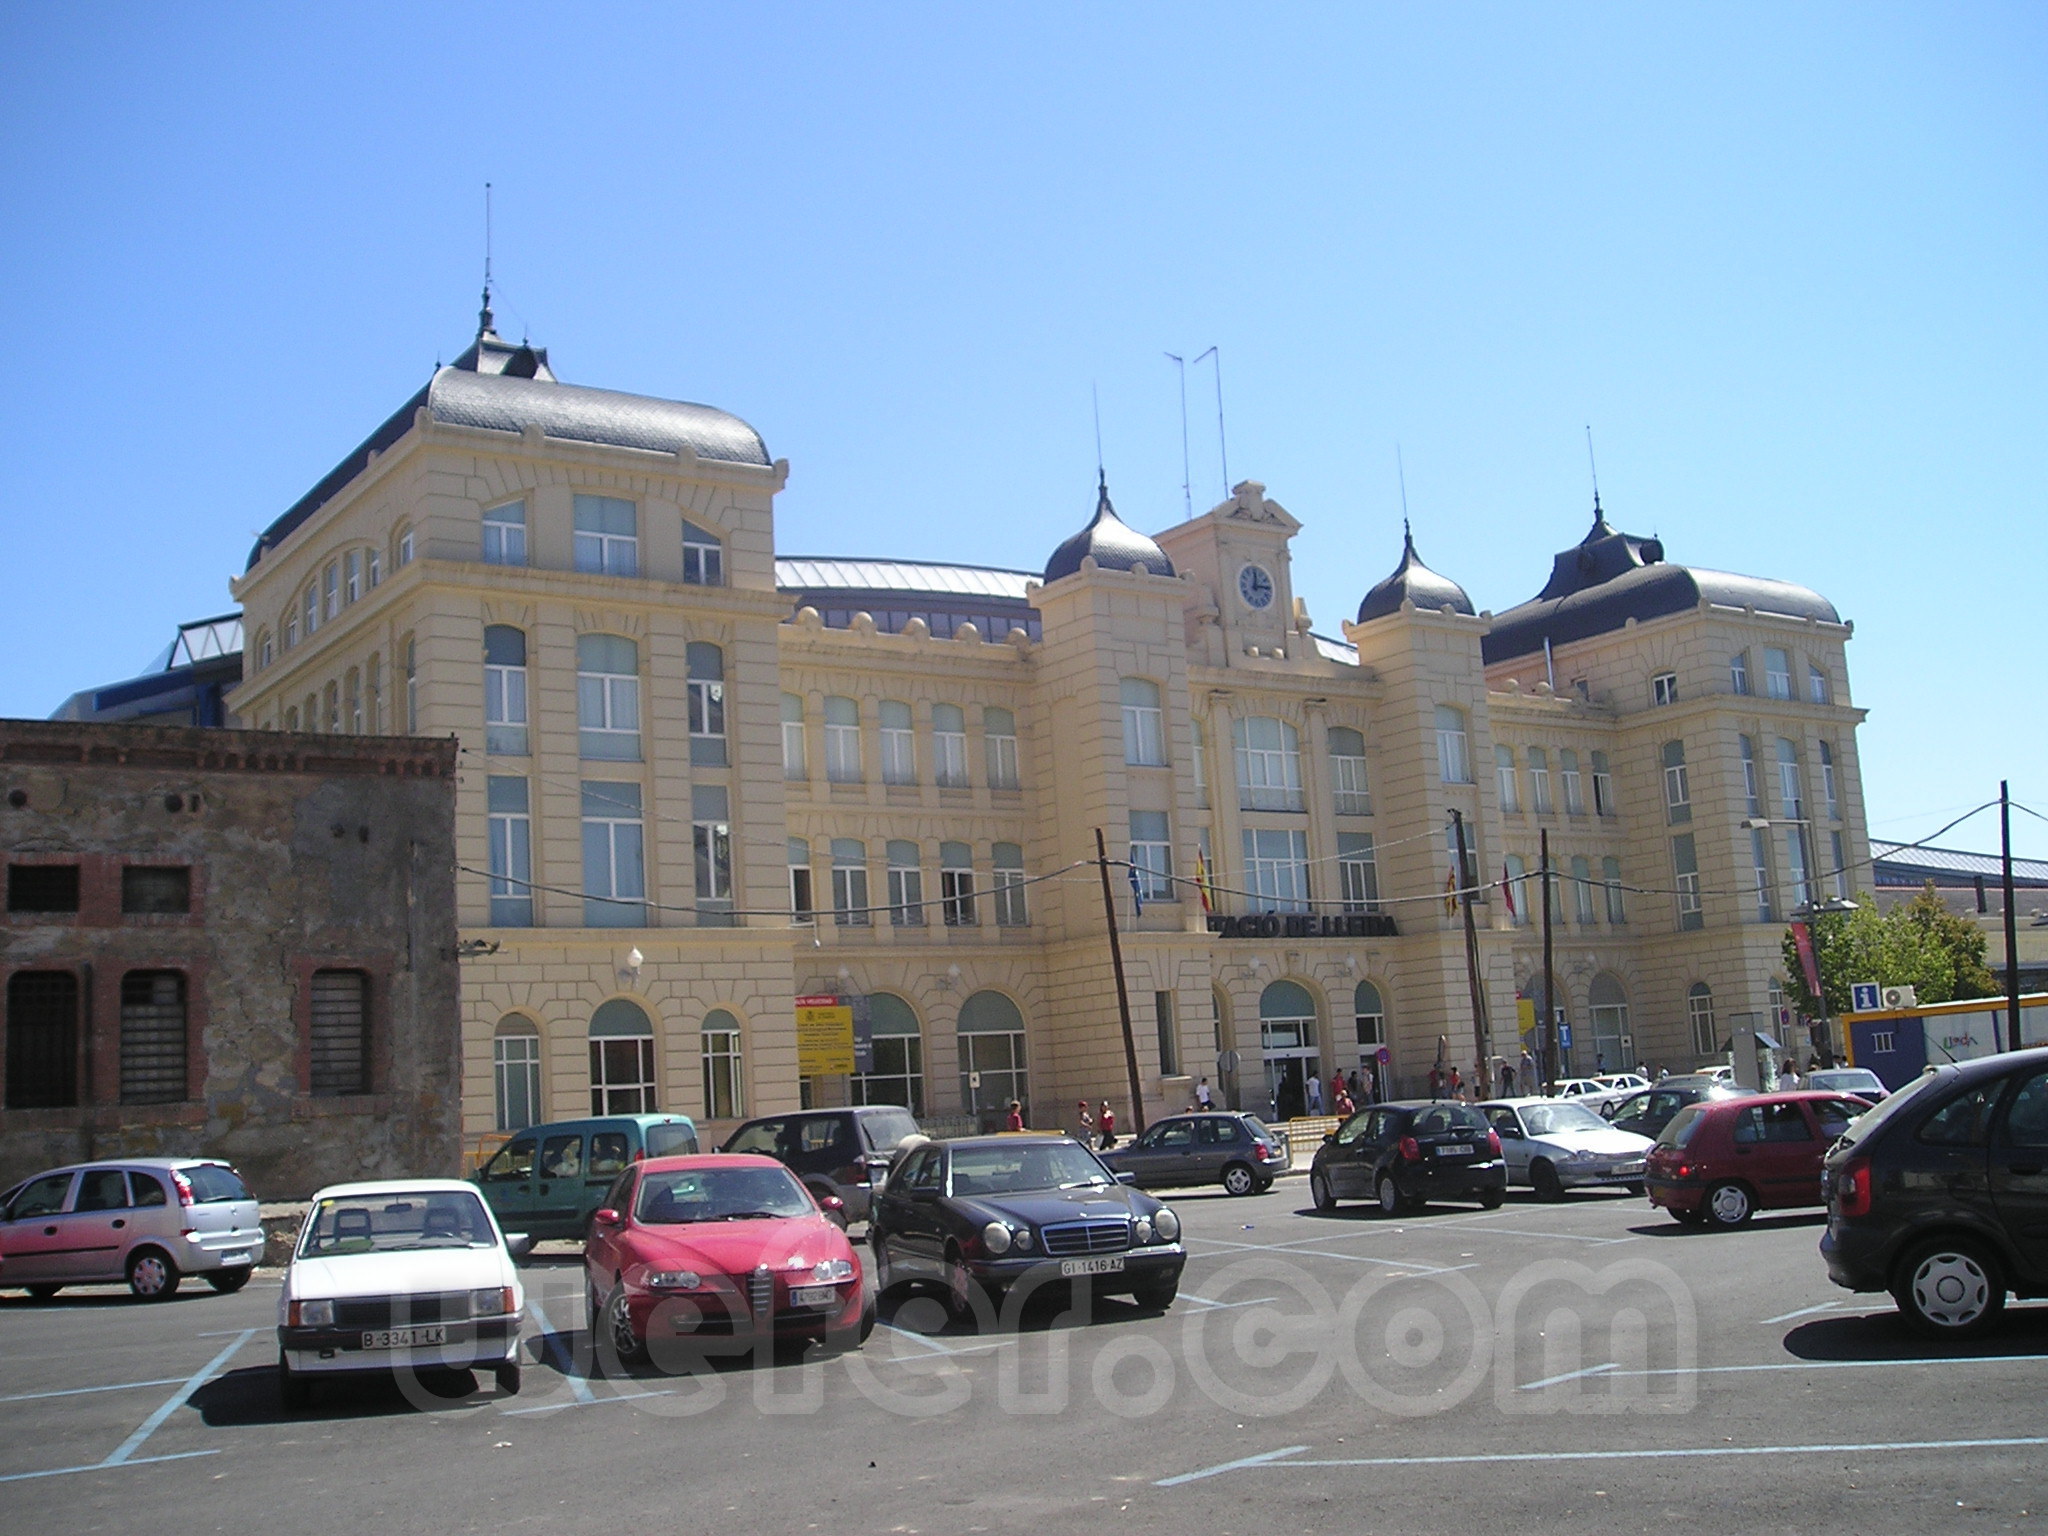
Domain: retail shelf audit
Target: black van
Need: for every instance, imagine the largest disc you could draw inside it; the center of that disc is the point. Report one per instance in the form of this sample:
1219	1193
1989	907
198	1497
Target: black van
843	1152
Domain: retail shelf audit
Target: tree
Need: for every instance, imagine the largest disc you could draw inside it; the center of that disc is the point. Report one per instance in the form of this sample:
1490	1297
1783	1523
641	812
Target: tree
1921	945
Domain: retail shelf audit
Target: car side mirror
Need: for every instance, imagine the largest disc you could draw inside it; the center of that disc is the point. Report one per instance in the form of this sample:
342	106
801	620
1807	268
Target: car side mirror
518	1245
1329	1138
1127	1178
605	1216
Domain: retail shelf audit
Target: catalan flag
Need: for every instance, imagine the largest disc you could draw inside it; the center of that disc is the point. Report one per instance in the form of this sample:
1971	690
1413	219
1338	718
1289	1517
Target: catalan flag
1202	882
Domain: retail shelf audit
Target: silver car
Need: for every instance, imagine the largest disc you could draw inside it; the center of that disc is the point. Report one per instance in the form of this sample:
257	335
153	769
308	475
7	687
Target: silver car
147	1220
1553	1145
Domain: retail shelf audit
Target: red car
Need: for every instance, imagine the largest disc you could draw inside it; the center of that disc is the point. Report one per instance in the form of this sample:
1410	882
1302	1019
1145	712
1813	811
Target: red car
714	1253
1721	1161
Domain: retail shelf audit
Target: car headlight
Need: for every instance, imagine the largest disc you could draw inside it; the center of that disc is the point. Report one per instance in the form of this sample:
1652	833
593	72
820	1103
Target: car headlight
674	1280
493	1301
832	1271
1141	1230
1166	1224
313	1314
996	1237
1023	1239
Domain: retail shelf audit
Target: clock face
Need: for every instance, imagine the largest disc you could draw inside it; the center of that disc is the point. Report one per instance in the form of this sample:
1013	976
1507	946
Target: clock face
1255	586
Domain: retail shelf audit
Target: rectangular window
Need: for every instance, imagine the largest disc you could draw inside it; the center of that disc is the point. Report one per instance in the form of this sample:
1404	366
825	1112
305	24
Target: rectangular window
42	888
850	883
608	698
1840	874
1358	878
312	610
1268	764
1795	866
723	1099
956	885
899	756
703	557
511	835
795	762
1790	801
158	889
1009	886
711	853
340	1044
153	1037
1832	805
375	564
1752	804
330	582
1454	765
1760	866
1144	723
607	536
1603	786
1677	787
1152	856
706	665
1685	865
1664	688
1504	772
351	576
352	700
906	884
802	908
1199	734
1574	784
1610	877
1539	781
1169	1044
1777	673
1347	772
1582	892
405	546
999	734
949	746
614	862
1738	672
42	1040
505	534
1818	690
842	741
1276	869
505	691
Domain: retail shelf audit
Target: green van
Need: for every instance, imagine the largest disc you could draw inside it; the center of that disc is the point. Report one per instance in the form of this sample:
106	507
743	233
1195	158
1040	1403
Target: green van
548	1179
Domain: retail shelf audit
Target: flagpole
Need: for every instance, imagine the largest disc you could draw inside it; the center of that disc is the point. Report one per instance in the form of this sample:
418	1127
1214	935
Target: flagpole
1123	996
1479	1040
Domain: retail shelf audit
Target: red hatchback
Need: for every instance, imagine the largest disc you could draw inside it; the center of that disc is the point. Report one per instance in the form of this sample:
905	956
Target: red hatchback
1721	1161
715	1253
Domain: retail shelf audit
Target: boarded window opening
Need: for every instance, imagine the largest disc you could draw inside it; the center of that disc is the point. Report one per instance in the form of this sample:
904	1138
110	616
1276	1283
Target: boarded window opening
153	1036
341	1034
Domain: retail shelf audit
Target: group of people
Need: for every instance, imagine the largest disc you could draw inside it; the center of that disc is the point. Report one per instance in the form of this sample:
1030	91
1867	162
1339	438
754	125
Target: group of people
1099	1127
1343	1095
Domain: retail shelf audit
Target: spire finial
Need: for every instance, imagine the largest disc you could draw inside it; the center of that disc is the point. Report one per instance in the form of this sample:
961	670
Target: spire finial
1594	467
485	322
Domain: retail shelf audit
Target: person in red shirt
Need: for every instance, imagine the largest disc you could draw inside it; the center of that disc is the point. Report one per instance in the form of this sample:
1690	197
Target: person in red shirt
1014	1121
1106	1119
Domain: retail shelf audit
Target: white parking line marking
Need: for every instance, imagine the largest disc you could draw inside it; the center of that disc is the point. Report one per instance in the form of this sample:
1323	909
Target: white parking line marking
1325	1253
1821	1365
611	1397
1225	1306
119	1386
177	1400
1273	1459
108	1466
1551	1381
563	1363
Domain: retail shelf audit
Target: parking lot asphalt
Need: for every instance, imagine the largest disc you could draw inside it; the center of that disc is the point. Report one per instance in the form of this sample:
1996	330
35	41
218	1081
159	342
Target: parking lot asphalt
1585	1366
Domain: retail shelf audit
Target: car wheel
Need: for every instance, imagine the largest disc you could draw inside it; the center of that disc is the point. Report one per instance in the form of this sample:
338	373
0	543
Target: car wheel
1239	1180
151	1274
44	1292
618	1329
1949	1289
884	1278
508	1378
1390	1196
1492	1198
1264	1185
1544	1177
229	1281
294	1389
1319	1191
1729	1204
1158	1294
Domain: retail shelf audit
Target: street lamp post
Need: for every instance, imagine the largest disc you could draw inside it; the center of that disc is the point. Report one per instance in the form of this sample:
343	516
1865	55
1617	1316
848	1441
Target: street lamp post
1806	911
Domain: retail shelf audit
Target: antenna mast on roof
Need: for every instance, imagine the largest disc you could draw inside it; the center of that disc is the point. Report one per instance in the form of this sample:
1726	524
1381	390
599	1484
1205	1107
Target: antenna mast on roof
484	320
1595	468
1187	492
1222	443
1401	470
1095	396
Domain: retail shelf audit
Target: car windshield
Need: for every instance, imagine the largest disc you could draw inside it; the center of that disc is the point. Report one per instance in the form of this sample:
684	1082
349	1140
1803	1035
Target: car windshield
1853	1080
396	1222
1003	1170
1550	1119
671	1140
1864	1126
885	1132
719	1194
1682	1125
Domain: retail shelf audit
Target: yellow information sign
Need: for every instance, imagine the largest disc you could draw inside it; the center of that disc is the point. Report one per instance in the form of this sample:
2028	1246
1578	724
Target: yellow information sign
824	1037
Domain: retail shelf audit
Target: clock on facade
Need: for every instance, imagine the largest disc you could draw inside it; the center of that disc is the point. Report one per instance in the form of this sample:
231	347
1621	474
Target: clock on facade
1255	586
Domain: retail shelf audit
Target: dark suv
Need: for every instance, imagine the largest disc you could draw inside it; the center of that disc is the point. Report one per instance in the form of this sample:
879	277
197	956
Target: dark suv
844	1153
1940	1194
1406	1155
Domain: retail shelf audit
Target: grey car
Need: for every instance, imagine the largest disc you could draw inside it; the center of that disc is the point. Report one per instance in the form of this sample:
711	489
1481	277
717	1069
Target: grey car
1553	1145
1232	1149
147	1220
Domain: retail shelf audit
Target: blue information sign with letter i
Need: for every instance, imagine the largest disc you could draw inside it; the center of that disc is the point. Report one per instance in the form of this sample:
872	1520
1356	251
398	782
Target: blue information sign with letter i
1863	997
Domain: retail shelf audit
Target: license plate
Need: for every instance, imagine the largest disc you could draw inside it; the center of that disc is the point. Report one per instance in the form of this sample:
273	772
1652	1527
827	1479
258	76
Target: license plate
1113	1265
404	1338
814	1295
235	1256
1456	1149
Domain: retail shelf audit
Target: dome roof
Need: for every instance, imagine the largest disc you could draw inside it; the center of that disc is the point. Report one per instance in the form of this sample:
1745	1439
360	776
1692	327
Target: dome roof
1414	582
1113	543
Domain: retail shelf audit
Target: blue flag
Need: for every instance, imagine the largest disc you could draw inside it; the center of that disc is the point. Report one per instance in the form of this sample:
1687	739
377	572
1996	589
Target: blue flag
1137	893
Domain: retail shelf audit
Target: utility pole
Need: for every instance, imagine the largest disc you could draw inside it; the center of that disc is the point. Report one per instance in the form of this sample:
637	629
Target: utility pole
1123	997
1480	1042
2012	945
1549	1025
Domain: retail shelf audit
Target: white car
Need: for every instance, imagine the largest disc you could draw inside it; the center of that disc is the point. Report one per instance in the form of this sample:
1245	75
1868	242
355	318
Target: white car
399	1275
1553	1146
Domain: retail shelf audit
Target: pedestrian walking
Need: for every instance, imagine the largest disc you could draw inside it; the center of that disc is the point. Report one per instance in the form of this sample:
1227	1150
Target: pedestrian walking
1014	1121
1507	1081
1366	1086
1315	1094
1202	1095
1529	1074
1456	1086
1788	1078
1106	1119
1342	1103
1086	1133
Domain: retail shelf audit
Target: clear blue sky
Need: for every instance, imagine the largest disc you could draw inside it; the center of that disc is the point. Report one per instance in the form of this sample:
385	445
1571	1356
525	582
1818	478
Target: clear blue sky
1788	261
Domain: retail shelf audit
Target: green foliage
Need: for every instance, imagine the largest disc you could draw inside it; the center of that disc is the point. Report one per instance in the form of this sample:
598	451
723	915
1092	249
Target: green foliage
1921	945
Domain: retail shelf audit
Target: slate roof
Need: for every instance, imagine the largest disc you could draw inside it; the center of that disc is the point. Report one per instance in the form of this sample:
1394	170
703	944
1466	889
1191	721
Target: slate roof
1114	544
1412	581
1896	864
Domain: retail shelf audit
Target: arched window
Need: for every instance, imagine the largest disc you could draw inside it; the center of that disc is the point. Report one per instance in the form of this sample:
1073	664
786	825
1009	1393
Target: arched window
1287	1040
1008	885
707	704
1582	890
1453	763
352	700
703	557
621	1059
999	736
265	650
1677	786
1574	785
724	1078
1699	1012
515	1071
842	740
1369	1015
992	1070
402	544
1144	723
898	1073
795	762
504	690
1539	781
1504	770
906	883
42	1040
1613	1050
899	754
608	698
949	746
1347	772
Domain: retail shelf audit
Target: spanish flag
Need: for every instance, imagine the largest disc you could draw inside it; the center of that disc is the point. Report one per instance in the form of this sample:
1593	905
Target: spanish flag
1202	881
1451	892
